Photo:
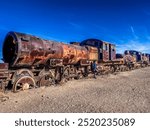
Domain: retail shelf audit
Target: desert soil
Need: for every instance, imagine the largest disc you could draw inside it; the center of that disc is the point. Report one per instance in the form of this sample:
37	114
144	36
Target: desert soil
121	92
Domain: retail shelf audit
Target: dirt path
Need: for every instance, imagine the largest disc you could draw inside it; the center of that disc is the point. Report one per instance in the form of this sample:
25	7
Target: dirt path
124	92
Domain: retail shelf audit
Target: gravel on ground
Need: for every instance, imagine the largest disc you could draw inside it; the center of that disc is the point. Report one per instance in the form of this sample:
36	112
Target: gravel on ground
122	92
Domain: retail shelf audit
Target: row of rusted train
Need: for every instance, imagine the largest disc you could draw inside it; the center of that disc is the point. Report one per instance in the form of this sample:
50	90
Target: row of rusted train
31	62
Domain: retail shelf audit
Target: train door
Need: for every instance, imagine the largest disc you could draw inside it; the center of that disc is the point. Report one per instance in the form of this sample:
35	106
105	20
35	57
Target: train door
112	52
139	56
105	51
100	52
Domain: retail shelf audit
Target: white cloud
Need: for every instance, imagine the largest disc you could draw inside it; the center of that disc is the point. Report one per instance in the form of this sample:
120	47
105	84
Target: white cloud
134	45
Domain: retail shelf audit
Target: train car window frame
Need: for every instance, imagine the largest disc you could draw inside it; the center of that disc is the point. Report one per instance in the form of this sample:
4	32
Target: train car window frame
106	46
113	47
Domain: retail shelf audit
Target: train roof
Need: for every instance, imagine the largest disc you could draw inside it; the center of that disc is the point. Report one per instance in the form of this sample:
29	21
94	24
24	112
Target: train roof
147	54
133	51
96	40
92	39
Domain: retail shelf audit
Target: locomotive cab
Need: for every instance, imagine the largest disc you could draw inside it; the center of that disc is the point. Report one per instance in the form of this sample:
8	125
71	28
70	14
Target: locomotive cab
106	51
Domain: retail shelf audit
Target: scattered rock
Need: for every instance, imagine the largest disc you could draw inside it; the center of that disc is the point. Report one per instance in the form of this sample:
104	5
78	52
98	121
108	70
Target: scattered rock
125	92
3	97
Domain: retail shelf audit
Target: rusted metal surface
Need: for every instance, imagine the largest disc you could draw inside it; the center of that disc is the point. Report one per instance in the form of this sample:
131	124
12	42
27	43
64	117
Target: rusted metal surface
23	82
72	54
129	58
148	56
27	50
136	54
112	52
31	61
46	78
126	59
4	71
4	76
93	53
105	51
145	58
3	66
97	44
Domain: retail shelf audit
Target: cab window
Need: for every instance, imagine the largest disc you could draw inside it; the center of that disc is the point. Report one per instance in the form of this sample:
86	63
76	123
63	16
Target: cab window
105	47
113	48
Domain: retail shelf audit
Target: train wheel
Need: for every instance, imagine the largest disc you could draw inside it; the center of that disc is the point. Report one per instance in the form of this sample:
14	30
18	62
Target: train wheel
23	82
46	80
112	69
78	76
66	76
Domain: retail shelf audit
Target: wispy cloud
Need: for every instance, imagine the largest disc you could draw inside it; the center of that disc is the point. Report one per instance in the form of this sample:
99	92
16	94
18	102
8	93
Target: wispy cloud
75	25
140	40
134	45
133	32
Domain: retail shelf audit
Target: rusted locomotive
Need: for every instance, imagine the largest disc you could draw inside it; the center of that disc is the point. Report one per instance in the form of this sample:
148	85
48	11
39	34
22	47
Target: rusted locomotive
31	62
141	59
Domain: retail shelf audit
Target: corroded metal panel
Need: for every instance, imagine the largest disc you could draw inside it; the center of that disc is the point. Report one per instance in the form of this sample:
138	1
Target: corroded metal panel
3	70
72	54
93	53
112	52
105	51
145	58
3	66
129	58
136	54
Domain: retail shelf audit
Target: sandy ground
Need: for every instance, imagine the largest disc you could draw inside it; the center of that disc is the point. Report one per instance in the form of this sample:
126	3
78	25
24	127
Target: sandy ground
124	92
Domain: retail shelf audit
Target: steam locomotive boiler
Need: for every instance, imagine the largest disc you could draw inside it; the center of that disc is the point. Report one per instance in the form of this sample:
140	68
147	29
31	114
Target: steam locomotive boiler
31	61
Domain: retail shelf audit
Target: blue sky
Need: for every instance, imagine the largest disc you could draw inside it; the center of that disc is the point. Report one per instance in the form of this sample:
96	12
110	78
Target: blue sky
123	22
